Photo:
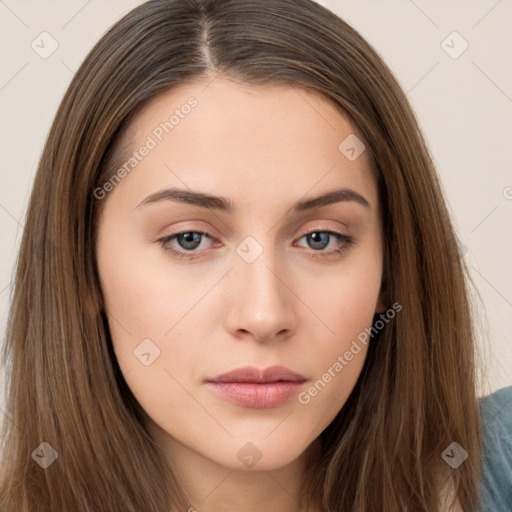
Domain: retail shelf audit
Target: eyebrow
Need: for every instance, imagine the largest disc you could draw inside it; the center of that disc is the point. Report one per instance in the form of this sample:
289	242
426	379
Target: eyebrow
225	205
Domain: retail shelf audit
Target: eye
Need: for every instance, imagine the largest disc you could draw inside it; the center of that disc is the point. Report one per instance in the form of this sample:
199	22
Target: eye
187	244
189	241
319	240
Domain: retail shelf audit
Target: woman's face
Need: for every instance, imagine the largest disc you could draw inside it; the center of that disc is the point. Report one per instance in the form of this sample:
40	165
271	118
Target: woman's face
245	166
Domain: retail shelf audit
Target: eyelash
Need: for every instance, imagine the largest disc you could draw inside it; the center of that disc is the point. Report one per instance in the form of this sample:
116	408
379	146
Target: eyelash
344	243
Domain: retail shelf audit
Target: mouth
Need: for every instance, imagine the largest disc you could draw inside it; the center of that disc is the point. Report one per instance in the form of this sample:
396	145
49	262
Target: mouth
254	388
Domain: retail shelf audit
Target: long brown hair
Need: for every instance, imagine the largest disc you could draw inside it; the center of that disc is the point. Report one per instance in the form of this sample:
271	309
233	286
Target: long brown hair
417	391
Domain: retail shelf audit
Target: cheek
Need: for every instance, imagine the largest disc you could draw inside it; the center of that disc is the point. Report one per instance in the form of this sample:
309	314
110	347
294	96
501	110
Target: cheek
149	306
345	300
349	298
140	304
161	319
344	307
153	325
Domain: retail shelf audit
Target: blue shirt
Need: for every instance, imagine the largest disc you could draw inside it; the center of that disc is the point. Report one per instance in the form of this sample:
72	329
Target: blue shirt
496	484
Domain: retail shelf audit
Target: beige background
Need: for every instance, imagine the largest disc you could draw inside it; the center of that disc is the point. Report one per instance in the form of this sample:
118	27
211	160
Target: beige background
464	106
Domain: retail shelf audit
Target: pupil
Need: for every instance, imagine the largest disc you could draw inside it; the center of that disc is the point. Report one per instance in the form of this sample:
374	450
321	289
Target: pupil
316	238
189	239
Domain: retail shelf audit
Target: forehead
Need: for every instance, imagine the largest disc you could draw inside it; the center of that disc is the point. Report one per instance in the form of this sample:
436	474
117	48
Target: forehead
285	140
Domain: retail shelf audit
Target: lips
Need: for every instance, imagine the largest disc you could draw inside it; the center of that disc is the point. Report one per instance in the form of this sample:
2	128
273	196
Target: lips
254	388
256	376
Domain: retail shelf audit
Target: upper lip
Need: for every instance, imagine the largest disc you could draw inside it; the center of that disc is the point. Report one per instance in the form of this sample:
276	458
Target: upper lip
255	375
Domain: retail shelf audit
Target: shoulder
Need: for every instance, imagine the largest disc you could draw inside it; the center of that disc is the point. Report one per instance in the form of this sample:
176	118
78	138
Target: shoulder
496	418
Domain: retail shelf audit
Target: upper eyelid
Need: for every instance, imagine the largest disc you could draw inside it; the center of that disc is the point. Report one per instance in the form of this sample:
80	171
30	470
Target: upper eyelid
208	229
215	239
209	235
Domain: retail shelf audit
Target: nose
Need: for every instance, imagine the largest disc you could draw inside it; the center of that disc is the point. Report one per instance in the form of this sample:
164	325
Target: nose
262	304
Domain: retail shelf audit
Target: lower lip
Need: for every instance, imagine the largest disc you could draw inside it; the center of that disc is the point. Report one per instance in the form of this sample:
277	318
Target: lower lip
257	396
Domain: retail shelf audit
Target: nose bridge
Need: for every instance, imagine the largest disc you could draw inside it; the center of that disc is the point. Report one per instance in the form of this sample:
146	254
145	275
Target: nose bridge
262	303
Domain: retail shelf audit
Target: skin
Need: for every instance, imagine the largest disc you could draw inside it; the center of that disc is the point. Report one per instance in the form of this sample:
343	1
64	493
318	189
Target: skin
263	148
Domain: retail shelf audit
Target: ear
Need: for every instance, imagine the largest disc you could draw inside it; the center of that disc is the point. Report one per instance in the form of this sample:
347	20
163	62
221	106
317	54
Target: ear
382	302
381	307
383	299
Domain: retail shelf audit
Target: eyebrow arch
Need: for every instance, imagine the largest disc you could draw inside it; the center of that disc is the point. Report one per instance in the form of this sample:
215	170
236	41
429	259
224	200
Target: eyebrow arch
331	197
225	205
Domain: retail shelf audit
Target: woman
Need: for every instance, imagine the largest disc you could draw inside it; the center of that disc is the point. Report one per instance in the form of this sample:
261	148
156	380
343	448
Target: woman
230	291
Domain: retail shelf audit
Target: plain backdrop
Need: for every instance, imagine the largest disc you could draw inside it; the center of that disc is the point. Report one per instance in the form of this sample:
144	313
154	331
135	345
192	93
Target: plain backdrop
453	59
